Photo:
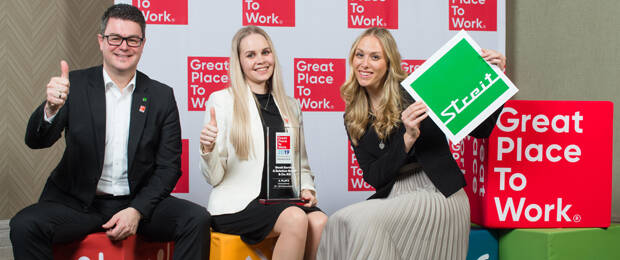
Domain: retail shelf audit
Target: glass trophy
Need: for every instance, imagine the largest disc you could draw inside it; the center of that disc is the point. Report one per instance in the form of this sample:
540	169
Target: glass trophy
283	161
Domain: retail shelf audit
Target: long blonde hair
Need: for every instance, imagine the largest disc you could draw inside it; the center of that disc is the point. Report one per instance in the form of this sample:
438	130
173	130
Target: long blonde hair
387	116
240	129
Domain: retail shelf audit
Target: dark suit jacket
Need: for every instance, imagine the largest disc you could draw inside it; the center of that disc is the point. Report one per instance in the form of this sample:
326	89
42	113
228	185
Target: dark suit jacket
153	152
431	151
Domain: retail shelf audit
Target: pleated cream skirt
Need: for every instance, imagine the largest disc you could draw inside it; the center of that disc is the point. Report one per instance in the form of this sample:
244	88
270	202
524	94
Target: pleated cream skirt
415	222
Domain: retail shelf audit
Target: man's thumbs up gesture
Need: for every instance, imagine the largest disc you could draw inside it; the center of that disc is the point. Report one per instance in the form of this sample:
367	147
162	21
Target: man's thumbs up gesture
57	90
209	134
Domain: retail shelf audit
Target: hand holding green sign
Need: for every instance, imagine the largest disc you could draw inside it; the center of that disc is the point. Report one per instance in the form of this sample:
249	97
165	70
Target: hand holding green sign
460	88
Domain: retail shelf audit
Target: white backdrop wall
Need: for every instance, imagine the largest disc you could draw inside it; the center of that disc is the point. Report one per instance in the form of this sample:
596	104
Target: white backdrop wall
313	29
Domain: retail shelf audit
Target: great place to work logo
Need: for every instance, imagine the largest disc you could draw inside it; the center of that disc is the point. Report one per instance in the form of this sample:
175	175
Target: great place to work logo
317	83
205	75
163	11
269	12
410	66
546	164
473	15
372	13
355	174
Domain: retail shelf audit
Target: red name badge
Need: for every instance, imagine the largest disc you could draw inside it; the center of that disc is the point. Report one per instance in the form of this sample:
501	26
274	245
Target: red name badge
546	164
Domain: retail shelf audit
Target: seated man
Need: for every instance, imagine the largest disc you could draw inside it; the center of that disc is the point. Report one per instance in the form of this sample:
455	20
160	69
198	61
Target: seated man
122	156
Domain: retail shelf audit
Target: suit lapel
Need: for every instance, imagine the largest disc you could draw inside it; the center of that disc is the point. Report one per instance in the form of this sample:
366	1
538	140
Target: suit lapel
96	100
139	110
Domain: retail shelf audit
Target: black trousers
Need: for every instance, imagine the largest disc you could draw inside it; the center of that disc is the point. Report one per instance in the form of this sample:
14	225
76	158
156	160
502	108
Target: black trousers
35	228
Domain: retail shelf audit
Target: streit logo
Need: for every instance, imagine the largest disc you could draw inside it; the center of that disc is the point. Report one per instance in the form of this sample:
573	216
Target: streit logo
473	15
372	13
317	84
269	12
205	75
163	11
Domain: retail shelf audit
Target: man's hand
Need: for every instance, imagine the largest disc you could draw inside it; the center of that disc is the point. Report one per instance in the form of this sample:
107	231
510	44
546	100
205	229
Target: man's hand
123	224
57	90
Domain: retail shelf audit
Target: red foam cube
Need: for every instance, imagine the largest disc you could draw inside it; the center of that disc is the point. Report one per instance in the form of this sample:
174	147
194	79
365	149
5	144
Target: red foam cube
547	164
98	246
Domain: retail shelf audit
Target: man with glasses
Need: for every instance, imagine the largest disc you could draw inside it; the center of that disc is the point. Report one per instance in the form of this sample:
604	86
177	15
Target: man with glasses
122	157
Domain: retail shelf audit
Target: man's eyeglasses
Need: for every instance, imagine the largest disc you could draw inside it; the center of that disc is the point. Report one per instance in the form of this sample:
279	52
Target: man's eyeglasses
117	40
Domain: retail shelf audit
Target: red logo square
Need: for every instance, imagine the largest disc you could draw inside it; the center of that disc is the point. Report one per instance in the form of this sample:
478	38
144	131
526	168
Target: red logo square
283	142
205	75
317	83
163	11
546	164
377	13
355	174
411	65
269	12
473	15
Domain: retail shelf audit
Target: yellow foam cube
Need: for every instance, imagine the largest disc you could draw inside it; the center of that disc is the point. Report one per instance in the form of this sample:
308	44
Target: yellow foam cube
231	247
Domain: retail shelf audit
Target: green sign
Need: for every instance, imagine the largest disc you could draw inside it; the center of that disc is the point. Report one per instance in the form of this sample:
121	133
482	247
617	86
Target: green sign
459	87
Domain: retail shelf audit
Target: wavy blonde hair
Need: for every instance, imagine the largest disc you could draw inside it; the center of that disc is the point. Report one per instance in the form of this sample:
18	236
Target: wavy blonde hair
387	116
240	129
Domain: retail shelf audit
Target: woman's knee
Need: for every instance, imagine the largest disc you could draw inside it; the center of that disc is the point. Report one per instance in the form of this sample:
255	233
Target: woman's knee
348	218
317	220
292	219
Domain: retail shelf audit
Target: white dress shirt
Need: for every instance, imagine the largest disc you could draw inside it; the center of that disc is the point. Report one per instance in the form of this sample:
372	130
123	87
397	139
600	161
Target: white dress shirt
118	109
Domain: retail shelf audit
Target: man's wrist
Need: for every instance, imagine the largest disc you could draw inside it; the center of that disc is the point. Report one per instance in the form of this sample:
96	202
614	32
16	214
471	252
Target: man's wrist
137	211
49	112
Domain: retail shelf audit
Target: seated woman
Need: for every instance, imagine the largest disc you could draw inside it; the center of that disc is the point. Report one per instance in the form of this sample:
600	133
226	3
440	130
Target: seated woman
233	153
419	210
